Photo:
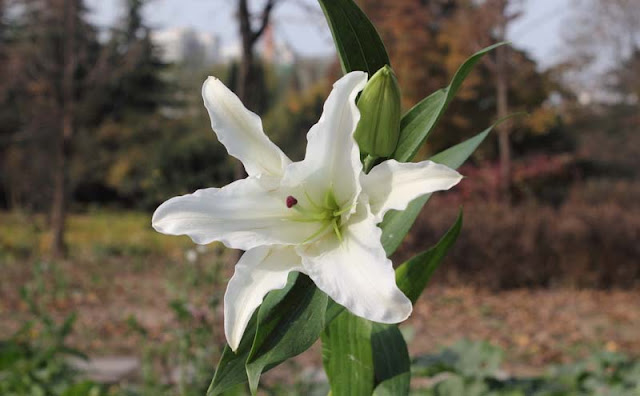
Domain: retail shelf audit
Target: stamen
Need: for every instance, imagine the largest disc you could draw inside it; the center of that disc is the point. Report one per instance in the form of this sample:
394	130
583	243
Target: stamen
316	206
330	200
328	215
336	229
341	212
291	201
318	233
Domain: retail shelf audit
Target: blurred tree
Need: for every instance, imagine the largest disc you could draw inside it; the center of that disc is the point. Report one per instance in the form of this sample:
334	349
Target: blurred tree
476	103
290	119
610	27
51	54
600	36
4	61
428	40
64	84
130	75
130	68
410	30
627	77
3	22
246	88
248	73
262	91
249	36
71	17
477	25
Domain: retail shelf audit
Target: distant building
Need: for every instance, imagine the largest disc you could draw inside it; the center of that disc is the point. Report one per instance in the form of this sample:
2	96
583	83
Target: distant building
273	51
185	45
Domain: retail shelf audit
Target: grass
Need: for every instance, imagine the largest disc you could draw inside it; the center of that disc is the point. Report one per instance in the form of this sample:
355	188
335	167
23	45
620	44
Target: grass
94	234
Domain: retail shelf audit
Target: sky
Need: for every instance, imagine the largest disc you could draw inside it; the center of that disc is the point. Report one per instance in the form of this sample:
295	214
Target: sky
538	31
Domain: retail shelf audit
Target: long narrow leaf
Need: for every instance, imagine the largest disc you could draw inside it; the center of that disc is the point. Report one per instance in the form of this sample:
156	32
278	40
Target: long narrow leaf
412	276
394	386
347	355
391	360
357	41
397	224
279	316
422	118
304	310
231	366
333	310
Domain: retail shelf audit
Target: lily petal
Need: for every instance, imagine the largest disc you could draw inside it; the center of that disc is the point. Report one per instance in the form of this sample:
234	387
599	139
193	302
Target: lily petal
259	271
332	159
355	272
242	215
240	130
393	185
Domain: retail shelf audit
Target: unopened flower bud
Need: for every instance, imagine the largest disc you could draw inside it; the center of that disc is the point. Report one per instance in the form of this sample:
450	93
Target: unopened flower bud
379	127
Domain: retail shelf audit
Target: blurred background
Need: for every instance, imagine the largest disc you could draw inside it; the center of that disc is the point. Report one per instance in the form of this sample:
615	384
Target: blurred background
101	119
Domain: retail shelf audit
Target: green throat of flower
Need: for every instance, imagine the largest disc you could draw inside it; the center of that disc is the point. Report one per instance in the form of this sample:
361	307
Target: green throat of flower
328	214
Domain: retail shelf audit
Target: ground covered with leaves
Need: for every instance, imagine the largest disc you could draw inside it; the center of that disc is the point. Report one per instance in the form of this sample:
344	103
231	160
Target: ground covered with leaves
137	293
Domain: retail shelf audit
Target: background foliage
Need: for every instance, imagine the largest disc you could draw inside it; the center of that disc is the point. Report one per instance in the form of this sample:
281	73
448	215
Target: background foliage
570	220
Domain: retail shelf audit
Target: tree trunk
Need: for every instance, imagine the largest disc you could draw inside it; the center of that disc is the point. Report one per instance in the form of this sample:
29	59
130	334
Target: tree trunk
244	90
245	77
244	81
249	37
504	145
60	184
63	146
502	98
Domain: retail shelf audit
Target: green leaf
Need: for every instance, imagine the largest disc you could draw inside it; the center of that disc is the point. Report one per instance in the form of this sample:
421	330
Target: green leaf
412	276
82	389
455	156
333	310
394	386
347	355
344	343
357	41
279	330
231	369
423	117
304	311
231	366
418	122
67	326
397	224
10	353
390	360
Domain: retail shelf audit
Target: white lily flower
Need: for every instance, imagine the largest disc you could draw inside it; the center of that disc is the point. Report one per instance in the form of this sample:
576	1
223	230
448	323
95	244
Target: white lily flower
317	216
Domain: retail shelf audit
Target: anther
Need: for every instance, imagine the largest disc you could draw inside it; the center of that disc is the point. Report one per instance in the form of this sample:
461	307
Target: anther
291	201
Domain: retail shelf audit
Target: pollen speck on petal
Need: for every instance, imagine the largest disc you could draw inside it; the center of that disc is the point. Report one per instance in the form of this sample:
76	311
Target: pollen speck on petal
291	201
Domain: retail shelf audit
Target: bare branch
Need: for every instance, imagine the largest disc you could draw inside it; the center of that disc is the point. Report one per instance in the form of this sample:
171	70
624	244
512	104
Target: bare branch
244	22
266	14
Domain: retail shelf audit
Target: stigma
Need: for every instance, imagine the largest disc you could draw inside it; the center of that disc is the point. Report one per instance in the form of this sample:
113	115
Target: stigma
291	201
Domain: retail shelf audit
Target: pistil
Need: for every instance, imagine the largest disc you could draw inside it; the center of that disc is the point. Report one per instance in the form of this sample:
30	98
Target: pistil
329	214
